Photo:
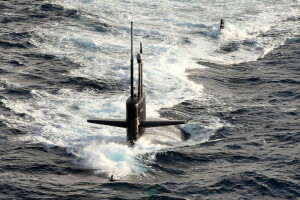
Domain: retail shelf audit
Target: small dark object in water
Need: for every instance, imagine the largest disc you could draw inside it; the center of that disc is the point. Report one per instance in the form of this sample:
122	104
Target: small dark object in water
112	178
222	24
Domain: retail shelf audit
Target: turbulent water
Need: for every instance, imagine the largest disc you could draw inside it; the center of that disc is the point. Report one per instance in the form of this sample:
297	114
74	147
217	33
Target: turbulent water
65	61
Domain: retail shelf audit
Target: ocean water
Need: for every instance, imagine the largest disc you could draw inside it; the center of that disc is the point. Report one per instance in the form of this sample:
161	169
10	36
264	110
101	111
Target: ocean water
63	62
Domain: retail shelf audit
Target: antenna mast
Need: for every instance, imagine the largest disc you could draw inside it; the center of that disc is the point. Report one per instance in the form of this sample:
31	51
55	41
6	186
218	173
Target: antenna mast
131	61
140	64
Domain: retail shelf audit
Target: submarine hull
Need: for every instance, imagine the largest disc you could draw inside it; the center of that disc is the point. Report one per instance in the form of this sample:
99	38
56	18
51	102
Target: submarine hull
135	114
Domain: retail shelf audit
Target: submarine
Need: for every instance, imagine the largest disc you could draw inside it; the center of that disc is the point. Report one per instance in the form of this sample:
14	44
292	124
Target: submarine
135	121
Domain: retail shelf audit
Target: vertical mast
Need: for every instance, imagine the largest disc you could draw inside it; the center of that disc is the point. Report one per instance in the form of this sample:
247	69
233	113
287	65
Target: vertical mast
141	68
140	64
131	62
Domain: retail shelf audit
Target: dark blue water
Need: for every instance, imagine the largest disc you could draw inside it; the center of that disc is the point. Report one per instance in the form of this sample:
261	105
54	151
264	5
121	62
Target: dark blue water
254	156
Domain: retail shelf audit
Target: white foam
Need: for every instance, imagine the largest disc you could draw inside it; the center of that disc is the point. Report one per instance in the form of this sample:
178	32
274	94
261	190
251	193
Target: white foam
60	120
174	19
111	158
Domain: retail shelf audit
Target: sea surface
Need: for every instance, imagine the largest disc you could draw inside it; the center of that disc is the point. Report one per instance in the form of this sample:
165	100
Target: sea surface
65	61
